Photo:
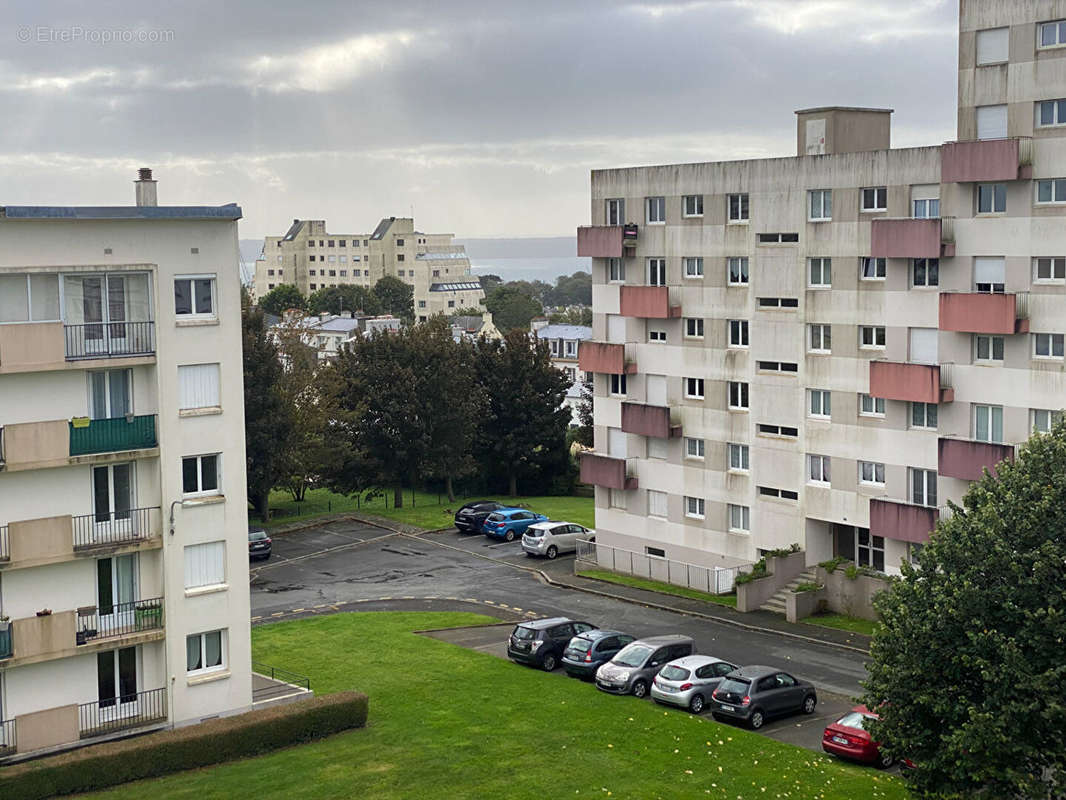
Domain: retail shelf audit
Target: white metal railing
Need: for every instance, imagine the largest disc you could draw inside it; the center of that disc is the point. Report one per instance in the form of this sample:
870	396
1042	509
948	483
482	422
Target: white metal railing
713	580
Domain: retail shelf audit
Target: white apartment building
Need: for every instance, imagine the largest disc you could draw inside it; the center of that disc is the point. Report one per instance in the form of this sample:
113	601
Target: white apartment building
310	258
124	601
827	348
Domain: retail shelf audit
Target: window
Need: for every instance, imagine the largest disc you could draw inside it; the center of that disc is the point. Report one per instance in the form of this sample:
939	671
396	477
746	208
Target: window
694	507
738	271
203	652
616	211
694	388
820	338
988	348
332	243
658	448
777	430
872	472
656	207
656	336
817	469
655	552
992	122
993	46
778	302
310	243
784	494
692	205
739	518
694	448
35	298
1050	113
616	270
737	208
1049	269
311	272
194	296
738	458
657	504
399	256
1052	34
399	243
616	499
988	423
989	274
869	550
270	272
421	303
570	348
693	267
872	269
198	386
820	272
344	242
875	198
656	272
738	394
778	238
820	205
200	475
923	487
738	333
777	366
923	415
925	272
693	328
820	402
927	209
315	286
872	336
1050	191
1043	419
991	198
618	384
1047	345
205	565
870	406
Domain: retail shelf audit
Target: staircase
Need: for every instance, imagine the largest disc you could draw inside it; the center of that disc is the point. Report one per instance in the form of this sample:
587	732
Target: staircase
776	604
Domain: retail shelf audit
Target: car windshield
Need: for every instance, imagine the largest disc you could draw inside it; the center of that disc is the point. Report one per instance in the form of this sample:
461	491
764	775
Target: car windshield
496	517
674	673
734	686
256	536
853	719
524	633
632	655
536	533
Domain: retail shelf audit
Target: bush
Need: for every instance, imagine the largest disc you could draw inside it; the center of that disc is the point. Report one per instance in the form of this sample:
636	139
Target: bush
211	742
758	570
807	586
832	564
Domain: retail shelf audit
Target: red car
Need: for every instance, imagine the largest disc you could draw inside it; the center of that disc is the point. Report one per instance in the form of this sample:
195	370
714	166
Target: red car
847	738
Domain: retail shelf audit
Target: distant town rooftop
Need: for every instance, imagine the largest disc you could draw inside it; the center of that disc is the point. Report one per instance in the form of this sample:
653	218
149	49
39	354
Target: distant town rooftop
580	332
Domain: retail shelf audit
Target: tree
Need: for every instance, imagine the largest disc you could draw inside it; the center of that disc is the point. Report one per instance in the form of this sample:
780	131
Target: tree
968	673
511	308
583	434
335	299
396	297
570	290
281	298
489	282
573	316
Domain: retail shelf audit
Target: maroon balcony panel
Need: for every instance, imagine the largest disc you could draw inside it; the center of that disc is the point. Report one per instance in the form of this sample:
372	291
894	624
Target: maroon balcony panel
905	238
648	421
605	471
603	357
599	241
916	383
960	458
987	160
976	312
646	302
902	521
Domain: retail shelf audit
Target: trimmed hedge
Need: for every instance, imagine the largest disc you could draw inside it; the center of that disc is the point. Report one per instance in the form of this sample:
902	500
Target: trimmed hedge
225	739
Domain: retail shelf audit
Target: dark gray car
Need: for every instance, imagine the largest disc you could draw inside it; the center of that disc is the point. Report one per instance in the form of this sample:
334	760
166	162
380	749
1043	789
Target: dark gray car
754	694
632	670
587	651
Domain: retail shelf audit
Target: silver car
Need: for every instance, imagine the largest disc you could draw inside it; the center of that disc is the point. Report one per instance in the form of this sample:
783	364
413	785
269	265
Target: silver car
552	538
688	682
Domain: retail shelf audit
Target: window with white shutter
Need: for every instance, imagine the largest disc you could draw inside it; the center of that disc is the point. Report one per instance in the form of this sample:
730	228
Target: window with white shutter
205	564
656	386
198	386
616	328
923	345
616	442
991	122
657	504
993	46
989	273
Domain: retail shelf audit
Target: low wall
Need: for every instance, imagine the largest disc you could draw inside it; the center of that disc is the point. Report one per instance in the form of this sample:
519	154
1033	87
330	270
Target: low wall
782	571
842	595
799	605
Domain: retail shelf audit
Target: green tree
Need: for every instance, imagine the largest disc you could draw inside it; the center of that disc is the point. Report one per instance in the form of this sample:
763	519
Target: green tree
573	316
281	298
335	299
511	308
584	430
570	290
396	297
489	282
968	670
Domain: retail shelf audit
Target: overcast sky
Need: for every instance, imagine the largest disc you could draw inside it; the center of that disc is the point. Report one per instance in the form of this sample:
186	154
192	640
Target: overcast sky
483	117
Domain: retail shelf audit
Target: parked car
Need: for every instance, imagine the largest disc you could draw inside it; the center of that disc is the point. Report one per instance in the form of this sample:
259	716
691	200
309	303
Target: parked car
259	544
847	738
507	523
631	671
552	538
754	694
587	651
471	516
541	642
688	682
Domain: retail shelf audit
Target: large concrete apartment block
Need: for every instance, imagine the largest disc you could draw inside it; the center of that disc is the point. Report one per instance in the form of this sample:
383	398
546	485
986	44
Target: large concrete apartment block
124	598
836	343
311	259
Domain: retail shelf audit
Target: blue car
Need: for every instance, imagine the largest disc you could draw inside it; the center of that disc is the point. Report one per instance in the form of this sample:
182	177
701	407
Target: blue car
510	523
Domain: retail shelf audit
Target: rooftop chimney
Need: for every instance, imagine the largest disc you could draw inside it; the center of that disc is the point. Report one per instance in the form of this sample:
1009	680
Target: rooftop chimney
145	187
842	129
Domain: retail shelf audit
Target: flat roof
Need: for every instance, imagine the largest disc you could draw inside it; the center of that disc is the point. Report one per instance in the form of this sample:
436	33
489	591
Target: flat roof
846	108
230	211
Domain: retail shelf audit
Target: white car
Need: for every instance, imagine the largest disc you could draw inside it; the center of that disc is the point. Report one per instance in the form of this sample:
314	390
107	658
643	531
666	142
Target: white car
552	538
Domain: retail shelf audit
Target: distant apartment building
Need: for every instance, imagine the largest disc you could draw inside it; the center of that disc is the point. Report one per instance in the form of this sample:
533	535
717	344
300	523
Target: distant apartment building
312	259
124	599
565	343
327	333
827	348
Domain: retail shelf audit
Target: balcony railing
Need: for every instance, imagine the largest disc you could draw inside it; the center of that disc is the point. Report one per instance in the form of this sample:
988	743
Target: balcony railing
5	548
7	640
281	682
983	312
8	742
122	713
911	238
604	357
119	619
112	528
648	420
109	340
987	160
606	241
113	435
917	383
967	459
647	302
901	521
606	471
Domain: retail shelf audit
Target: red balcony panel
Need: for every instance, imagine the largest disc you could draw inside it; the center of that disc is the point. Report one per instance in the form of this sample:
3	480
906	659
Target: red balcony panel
646	302
905	238
902	521
600	470
604	357
974	312
961	458
986	160
600	241
916	383
648	421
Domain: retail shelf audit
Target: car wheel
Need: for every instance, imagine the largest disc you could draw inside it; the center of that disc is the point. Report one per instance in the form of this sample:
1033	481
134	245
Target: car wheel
509	536
756	720
640	688
695	705
553	551
884	761
809	702
548	663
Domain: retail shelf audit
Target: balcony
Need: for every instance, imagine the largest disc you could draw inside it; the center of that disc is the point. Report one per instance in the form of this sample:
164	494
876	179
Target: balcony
8	740
980	312
52	540
122	713
112	435
605	358
98	623
912	238
605	471
903	522
109	340
646	302
605	241
31	347
915	383
967	460
987	160
7	641
647	420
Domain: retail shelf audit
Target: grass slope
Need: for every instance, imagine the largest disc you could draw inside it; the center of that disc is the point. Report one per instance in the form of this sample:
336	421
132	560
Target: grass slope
843	623
658	586
451	723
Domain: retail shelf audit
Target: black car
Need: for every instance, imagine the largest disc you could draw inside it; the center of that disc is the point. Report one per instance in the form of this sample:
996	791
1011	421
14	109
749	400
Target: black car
588	650
468	519
259	543
754	694
541	642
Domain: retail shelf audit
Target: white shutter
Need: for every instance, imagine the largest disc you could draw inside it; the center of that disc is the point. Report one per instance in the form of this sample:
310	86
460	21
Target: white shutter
993	46
657	448
205	564
991	122
989	270
616	442
198	386
925	191
656	390
657	506
616	329
923	345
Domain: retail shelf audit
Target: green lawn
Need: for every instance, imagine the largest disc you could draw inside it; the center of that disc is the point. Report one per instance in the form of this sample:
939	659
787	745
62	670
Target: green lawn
446	722
658	586
843	623
429	511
